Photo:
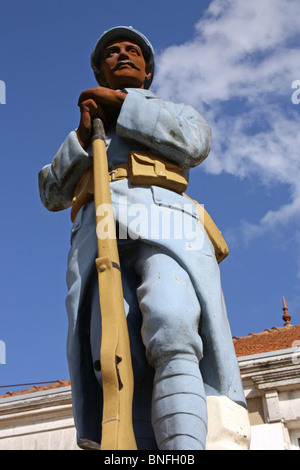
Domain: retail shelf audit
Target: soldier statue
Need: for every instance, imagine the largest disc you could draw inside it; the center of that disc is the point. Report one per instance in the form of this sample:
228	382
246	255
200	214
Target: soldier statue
180	339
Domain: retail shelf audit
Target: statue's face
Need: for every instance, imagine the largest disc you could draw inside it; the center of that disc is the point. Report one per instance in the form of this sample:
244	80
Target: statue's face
123	65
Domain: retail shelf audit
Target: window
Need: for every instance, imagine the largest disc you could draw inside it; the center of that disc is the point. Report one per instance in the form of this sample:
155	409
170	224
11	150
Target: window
295	439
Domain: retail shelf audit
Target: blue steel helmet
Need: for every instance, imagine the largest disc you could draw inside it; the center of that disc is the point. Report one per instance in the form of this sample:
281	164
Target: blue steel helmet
124	32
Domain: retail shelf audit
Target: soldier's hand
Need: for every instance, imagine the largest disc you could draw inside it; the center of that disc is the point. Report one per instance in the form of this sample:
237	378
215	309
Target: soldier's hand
97	102
104	97
88	111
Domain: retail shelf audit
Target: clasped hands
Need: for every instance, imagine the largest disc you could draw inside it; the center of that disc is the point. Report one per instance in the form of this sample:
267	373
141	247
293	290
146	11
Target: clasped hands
101	102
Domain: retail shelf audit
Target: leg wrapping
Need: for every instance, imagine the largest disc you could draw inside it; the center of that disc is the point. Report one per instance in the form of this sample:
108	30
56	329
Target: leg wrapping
179	415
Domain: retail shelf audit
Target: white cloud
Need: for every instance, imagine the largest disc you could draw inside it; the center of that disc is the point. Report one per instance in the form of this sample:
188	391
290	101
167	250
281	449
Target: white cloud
238	71
238	47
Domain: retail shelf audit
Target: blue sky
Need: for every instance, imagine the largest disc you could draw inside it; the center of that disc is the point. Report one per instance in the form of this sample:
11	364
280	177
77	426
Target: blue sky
235	62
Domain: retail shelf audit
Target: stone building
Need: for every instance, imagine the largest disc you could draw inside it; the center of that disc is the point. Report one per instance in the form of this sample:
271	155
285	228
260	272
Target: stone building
270	369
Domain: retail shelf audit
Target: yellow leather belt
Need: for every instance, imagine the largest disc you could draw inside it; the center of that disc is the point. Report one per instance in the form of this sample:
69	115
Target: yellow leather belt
142	168
118	173
84	191
147	169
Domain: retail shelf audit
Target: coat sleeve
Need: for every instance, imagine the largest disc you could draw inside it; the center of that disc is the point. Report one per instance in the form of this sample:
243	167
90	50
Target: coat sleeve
176	131
57	181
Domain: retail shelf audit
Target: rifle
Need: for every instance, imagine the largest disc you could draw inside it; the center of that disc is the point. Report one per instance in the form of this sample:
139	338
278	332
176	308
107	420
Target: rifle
115	355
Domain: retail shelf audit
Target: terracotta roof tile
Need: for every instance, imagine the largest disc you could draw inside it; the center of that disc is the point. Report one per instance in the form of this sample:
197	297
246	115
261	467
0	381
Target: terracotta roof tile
269	340
36	388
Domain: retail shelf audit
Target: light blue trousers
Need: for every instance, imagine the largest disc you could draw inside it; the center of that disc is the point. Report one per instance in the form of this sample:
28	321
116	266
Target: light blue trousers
157	286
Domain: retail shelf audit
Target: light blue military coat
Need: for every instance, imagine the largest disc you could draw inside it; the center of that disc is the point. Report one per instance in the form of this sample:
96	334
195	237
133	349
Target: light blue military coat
178	133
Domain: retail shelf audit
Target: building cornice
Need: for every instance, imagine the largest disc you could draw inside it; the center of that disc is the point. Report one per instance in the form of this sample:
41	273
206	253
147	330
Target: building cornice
274	370
36	400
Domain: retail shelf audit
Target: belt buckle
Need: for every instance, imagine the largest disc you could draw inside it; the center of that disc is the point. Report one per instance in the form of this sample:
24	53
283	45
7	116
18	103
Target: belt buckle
112	174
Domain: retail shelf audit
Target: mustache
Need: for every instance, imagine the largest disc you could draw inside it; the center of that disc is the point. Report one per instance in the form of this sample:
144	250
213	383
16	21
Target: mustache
125	62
